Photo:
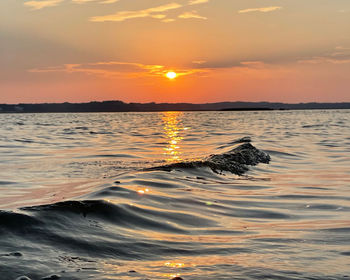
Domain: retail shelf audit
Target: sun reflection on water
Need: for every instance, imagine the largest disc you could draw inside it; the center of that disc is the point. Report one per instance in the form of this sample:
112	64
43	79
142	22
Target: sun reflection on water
172	128
174	264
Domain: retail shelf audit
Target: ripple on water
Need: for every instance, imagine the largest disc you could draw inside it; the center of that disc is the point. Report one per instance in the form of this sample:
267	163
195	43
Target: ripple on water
94	210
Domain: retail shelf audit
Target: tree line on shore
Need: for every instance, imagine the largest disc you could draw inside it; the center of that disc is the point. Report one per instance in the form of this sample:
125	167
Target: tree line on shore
120	106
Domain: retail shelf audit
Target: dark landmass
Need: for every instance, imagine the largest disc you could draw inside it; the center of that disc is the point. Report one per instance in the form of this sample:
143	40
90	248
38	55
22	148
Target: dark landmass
247	109
119	106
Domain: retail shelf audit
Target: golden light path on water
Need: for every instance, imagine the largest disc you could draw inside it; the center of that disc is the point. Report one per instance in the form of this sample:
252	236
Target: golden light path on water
172	128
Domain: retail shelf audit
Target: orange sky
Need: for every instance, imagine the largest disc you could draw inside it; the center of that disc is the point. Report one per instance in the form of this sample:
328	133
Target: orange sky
222	50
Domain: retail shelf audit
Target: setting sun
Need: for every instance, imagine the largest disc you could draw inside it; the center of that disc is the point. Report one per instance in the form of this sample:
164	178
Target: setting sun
171	75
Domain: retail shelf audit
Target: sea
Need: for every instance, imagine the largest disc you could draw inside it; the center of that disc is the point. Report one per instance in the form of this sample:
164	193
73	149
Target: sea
139	195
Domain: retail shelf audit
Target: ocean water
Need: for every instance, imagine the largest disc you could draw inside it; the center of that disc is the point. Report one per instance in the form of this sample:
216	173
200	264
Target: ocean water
84	196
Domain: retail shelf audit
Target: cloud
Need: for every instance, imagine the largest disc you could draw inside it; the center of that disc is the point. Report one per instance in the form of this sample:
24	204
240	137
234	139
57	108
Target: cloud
109	1
340	55
112	69
150	12
154	12
322	59
125	70
226	64
263	9
189	15
100	1
196	2
158	16
168	20
199	61
341	51
124	15
38	5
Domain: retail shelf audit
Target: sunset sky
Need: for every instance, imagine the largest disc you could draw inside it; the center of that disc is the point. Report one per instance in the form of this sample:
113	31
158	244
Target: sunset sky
222	50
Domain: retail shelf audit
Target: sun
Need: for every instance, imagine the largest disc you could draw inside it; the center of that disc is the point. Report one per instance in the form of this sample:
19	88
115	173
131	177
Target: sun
171	75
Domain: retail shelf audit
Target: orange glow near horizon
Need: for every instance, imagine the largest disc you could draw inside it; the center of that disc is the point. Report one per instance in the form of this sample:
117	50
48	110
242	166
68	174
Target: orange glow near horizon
193	51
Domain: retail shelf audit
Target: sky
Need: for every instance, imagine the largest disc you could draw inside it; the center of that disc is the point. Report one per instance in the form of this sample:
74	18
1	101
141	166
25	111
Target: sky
222	50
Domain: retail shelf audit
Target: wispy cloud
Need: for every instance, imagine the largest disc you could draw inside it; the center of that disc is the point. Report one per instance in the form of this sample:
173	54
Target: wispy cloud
168	20
38	5
109	1
126	70
340	55
189	15
215	65
124	15
196	2
100	1
113	69
151	12
262	10
322	59
199	61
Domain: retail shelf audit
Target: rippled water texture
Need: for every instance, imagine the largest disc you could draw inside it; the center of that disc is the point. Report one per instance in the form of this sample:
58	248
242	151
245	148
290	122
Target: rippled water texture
80	198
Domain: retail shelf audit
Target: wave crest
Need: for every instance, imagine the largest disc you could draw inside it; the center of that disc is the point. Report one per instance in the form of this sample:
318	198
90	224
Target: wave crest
235	161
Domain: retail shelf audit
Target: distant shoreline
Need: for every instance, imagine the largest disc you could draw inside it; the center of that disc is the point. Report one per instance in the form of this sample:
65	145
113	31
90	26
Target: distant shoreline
119	106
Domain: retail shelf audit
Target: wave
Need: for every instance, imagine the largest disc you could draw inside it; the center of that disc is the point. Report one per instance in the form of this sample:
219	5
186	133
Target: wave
235	161
124	215
12	221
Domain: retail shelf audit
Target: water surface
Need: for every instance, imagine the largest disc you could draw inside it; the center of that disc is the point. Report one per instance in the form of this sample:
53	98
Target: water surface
78	201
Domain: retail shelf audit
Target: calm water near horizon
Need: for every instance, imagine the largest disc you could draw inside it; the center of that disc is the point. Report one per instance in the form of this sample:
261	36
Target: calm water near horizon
77	200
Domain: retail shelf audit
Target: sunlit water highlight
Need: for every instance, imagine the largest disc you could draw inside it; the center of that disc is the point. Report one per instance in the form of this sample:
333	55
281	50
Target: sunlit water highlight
77	201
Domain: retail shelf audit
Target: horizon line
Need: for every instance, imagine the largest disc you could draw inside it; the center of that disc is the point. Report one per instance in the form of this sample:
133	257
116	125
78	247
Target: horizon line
173	103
